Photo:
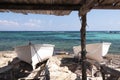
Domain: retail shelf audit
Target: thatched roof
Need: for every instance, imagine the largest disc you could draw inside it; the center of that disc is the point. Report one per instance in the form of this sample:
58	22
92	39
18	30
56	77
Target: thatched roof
57	7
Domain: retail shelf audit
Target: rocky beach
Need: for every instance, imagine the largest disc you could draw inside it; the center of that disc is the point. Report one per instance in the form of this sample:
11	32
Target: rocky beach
58	67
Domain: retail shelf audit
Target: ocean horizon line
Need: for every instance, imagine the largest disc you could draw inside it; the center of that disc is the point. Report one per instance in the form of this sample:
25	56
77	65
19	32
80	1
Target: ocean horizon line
59	31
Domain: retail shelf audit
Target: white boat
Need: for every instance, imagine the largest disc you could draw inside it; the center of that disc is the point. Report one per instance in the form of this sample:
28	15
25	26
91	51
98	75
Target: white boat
34	53
95	51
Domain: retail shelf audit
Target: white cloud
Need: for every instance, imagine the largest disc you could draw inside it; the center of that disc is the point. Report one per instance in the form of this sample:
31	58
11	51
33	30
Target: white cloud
35	21
32	23
9	23
29	24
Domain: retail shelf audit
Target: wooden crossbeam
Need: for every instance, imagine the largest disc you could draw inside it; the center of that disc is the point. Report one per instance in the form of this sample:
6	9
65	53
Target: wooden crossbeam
108	70
24	6
106	7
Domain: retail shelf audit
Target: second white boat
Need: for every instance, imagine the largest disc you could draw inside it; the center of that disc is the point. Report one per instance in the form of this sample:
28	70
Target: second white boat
95	51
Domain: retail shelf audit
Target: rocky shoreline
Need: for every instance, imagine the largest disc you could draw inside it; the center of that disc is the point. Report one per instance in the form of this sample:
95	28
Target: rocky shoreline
58	67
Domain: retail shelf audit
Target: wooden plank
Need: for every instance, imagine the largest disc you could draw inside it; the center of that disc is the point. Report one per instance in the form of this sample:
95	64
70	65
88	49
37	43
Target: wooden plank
106	7
6	68
18	6
108	70
36	73
10	66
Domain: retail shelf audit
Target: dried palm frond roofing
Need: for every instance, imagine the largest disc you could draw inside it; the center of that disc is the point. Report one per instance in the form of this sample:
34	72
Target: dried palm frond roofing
56	7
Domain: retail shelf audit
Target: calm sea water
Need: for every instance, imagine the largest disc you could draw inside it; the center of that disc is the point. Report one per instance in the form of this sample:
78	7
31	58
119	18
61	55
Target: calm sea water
63	40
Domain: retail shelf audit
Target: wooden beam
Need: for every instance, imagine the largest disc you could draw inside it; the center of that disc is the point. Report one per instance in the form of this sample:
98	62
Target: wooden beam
90	4
106	7
108	70
114	5
83	47
24	6
9	67
87	6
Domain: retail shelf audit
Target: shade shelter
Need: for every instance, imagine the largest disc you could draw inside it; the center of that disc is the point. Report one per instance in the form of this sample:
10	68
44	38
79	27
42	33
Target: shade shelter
60	8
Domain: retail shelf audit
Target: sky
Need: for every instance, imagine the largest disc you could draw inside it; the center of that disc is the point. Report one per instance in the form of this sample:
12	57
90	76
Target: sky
97	20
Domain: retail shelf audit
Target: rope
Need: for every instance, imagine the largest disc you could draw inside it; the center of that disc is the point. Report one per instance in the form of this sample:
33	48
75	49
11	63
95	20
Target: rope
38	56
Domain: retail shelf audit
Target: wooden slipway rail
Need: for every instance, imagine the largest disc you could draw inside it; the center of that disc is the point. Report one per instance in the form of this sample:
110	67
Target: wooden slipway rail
107	70
10	66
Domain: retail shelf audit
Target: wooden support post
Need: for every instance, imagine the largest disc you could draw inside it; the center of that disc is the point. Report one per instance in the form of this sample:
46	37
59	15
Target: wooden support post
83	47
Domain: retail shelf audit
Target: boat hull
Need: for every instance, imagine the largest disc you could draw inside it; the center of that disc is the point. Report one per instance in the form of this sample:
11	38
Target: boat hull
95	51
34	53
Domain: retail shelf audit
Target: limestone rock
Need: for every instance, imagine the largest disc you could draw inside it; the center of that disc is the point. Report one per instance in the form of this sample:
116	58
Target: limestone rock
57	72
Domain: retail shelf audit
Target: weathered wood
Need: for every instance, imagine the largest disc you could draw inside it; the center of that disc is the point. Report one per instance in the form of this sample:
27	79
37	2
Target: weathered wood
32	75
23	6
9	66
6	68
107	7
108	70
83	47
36	73
103	74
87	6
56	7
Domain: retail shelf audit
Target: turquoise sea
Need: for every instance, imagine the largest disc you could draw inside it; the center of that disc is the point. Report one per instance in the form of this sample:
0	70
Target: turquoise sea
63	40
